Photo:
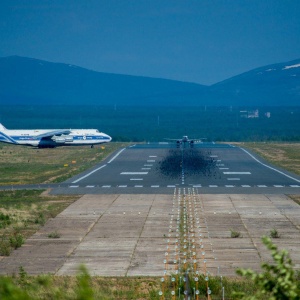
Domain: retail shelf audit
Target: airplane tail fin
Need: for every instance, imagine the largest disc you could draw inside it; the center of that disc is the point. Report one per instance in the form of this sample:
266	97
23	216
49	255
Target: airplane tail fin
2	128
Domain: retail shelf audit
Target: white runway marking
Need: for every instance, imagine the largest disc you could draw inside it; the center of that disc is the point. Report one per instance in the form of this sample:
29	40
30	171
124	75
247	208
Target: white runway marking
122	186
229	186
223	168
213	156
294	185
136	179
237	173
134	173
152	155
138	186
197	185
282	173
213	186
220	165
245	185
90	186
170	186
148	165
116	155
233	179
74	186
278	185
75	181
150	160
155	186
146	168
106	186
261	185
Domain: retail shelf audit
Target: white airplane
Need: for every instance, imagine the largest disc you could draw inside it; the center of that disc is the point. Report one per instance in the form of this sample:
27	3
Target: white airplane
50	138
185	140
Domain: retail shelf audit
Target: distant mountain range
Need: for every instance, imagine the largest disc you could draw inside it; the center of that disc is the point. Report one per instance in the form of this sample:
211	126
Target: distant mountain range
28	81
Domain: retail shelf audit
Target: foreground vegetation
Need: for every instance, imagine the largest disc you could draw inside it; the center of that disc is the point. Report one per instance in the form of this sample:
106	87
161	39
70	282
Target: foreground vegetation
27	165
277	281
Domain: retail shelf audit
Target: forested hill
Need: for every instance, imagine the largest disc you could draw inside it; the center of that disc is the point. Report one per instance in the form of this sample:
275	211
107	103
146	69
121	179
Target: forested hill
31	81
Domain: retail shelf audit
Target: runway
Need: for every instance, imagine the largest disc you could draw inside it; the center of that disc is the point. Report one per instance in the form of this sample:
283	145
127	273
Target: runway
139	169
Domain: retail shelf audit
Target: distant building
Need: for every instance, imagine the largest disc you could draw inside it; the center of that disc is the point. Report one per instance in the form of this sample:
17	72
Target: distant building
249	114
268	114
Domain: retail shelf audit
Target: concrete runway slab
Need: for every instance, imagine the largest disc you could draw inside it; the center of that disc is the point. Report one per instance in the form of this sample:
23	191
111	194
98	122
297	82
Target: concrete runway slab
129	235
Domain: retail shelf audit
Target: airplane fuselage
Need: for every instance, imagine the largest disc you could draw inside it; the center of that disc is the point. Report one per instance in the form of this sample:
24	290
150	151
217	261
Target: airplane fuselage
45	138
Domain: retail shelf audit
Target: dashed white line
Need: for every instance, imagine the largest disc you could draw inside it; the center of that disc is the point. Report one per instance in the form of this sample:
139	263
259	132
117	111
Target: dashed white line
294	185
213	156
171	186
152	155
261	185
246	185
155	186
278	185
220	165
106	186
147	165
136	179
237	173
138	186
229	186
133	173
197	185
74	186
146	168
90	186
150	160
223	168
212	186
122	186
233	179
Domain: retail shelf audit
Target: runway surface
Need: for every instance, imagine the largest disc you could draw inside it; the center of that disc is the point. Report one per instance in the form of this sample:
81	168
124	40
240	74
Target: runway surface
159	168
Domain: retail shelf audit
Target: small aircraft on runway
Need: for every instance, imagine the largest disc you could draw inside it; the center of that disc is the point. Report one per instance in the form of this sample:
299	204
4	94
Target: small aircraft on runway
185	140
51	138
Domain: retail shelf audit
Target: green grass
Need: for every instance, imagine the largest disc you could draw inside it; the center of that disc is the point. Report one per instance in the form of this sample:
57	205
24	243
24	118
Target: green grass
26	165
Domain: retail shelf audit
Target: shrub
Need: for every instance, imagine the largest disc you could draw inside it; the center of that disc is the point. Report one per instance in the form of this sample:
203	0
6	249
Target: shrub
274	234
17	240
234	234
54	235
278	281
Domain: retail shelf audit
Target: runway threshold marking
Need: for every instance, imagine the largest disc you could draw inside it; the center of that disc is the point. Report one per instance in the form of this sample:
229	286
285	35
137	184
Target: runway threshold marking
282	173
77	180
116	155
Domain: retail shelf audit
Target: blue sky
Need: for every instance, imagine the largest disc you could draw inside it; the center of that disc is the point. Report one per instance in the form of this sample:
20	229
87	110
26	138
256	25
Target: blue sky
202	41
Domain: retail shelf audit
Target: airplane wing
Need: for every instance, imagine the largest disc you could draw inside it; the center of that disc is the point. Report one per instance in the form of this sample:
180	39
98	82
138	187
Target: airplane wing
52	133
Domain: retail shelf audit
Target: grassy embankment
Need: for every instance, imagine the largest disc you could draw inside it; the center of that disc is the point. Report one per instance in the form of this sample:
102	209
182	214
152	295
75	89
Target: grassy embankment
26	165
283	155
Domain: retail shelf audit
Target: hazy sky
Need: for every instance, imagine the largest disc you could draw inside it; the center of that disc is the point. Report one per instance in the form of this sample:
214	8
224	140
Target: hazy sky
203	41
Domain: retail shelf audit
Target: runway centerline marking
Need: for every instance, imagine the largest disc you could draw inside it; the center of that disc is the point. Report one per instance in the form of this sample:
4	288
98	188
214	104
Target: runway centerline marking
146	168
150	160
116	155
282	173
152	155
237	173
148	165
75	181
223	168
136	179
233	179
133	173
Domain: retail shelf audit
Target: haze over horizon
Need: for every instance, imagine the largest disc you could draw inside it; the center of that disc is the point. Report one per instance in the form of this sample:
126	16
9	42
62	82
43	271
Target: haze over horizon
203	42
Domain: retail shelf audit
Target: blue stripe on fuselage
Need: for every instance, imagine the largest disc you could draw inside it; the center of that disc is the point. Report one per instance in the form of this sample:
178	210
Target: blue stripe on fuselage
6	138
